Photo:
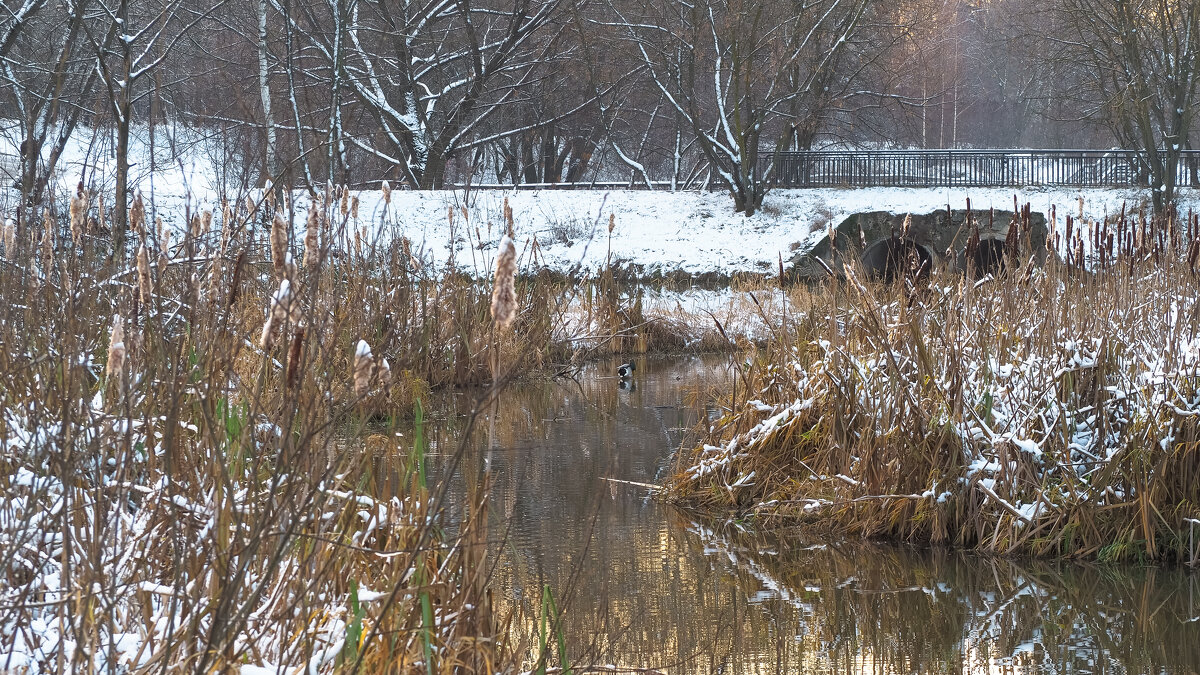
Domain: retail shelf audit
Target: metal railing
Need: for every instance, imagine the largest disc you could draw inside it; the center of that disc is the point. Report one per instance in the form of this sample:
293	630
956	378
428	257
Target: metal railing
972	168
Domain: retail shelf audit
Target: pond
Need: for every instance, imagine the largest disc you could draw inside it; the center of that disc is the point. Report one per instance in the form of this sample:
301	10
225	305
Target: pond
644	586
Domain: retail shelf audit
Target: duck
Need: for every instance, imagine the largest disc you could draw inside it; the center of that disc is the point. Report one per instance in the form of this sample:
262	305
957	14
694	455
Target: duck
625	370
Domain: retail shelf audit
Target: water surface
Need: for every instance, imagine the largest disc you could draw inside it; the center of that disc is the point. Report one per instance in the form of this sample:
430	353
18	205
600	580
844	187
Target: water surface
645	586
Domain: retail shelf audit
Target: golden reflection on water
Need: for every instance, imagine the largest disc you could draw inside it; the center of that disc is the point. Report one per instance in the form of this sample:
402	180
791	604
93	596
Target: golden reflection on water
644	586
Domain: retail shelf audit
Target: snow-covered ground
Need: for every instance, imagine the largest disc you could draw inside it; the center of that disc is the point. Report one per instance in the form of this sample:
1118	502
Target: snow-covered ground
693	232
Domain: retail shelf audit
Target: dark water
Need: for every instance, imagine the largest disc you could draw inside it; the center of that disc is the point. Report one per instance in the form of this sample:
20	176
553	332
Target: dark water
644	586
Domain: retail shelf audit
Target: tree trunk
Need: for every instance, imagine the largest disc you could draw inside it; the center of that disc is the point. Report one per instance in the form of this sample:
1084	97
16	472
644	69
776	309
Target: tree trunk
120	210
433	176
264	90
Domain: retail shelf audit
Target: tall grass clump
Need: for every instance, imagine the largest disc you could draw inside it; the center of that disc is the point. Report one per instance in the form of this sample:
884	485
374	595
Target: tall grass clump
1051	410
201	458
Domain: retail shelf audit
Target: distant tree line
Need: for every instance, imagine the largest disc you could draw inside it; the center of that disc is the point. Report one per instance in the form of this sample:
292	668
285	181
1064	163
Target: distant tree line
701	93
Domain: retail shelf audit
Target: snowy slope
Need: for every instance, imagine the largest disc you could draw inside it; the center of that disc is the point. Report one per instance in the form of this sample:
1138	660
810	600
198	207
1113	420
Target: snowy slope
693	232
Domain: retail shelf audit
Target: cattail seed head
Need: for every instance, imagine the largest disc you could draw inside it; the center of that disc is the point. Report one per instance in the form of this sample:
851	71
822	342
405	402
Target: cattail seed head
47	240
279	246
116	350
504	292
137	215
282	309
101	217
364	367
10	238
612	222
295	350
164	251
78	214
345	206
143	269
354	208
312	250
386	189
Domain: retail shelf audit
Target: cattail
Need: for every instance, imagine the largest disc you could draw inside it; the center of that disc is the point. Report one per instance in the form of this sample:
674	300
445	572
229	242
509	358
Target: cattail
292	373
78	215
47	240
504	293
143	269
354	208
250	205
116	350
906	226
612	222
279	246
134	342
269	194
10	238
364	367
508	219
345	206
282	308
164	251
385	372
386	189
194	226
312	251
137	215
206	220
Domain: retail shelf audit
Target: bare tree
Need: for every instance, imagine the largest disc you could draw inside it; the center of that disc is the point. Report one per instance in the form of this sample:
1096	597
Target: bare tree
427	74
145	34
740	72
48	81
1134	64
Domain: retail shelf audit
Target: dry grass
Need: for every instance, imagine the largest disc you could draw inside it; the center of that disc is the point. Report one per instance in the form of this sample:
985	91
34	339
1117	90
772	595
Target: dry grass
194	489
1050	411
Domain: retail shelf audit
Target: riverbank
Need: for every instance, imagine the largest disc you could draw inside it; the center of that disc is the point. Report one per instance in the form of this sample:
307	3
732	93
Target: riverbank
1052	411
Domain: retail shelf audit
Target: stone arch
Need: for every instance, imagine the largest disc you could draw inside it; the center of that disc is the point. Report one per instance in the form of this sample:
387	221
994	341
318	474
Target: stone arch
988	258
895	257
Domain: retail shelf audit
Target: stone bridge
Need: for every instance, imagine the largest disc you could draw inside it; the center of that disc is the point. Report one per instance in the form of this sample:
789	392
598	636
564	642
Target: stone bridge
886	247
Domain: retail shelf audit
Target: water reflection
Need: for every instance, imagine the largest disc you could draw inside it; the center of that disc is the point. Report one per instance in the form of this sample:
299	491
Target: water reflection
647	587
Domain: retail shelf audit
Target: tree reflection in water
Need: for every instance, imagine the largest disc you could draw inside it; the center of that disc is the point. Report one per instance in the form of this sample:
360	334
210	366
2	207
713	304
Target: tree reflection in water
644	586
